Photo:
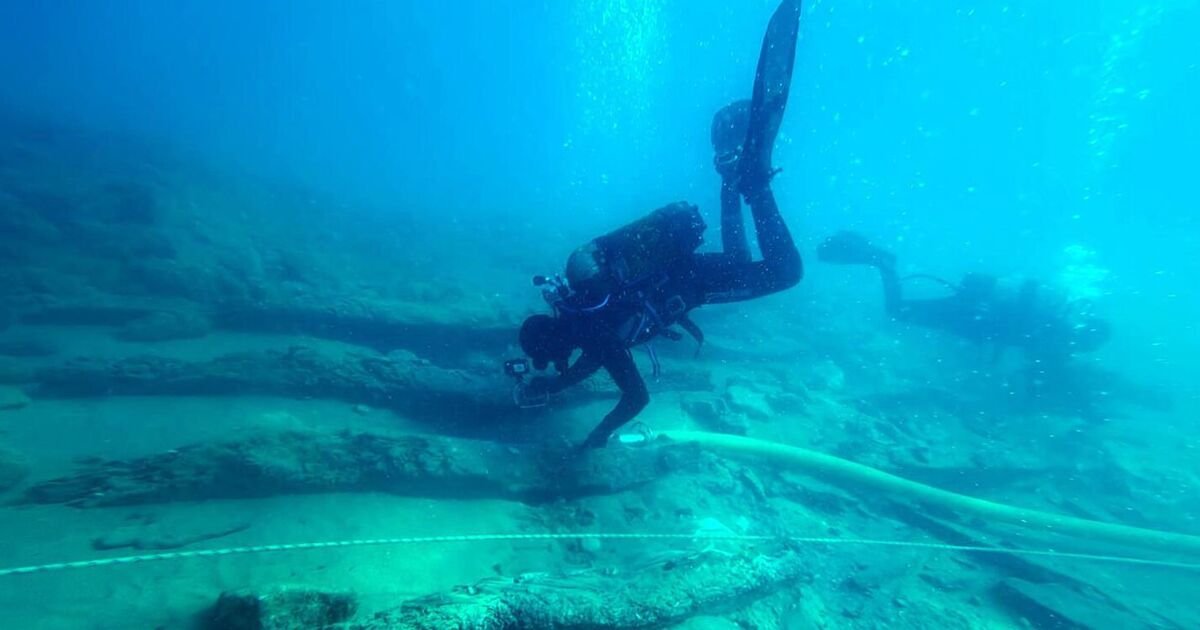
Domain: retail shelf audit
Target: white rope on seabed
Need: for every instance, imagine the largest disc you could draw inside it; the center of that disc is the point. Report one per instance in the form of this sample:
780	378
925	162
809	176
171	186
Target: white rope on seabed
471	538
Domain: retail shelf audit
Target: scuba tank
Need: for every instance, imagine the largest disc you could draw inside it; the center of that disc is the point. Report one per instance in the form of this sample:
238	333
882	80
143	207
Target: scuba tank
656	242
631	267
635	253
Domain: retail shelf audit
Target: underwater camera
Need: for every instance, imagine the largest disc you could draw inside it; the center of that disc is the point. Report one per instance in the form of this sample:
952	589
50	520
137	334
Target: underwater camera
519	369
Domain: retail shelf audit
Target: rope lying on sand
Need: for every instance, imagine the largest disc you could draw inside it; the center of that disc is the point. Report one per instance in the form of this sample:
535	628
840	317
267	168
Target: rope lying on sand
475	538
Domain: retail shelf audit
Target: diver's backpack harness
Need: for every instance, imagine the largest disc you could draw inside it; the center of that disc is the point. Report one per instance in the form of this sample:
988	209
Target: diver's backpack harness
644	258
640	265
652	322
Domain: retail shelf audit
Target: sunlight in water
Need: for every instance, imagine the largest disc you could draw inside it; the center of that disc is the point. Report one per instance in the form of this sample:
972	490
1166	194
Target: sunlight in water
619	43
1081	277
1116	90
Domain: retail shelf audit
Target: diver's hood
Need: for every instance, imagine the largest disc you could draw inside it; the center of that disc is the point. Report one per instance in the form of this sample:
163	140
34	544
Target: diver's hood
544	339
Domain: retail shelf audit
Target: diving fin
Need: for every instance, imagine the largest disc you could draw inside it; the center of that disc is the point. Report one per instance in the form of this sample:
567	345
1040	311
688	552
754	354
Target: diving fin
772	82
852	248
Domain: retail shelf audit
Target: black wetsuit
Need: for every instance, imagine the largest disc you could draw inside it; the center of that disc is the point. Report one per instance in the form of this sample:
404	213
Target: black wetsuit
744	136
1046	325
980	312
606	336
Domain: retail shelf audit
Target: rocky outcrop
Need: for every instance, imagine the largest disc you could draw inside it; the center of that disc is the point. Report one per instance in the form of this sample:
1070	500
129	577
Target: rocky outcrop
399	381
440	332
287	608
165	326
298	462
445	333
663	593
713	413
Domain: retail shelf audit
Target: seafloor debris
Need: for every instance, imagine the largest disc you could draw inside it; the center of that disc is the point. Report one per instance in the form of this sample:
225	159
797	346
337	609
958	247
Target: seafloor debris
148	532
713	413
668	591
287	608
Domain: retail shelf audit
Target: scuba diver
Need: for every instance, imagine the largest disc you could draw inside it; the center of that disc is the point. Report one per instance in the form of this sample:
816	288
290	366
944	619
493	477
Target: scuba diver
637	283
1047	327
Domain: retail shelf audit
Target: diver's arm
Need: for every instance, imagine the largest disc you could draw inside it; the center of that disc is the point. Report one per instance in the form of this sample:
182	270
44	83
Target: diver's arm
634	397
585	366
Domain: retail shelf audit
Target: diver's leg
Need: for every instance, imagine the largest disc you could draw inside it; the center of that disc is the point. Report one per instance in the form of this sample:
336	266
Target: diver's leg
780	256
730	278
723	278
893	300
733	227
728	135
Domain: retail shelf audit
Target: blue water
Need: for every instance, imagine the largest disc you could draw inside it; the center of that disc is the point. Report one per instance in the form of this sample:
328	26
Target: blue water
1053	140
1006	127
